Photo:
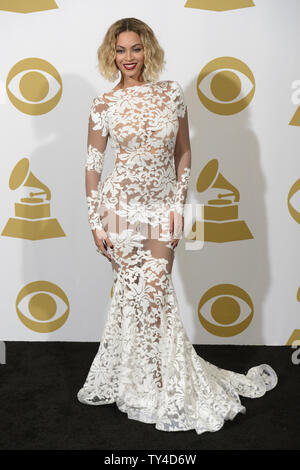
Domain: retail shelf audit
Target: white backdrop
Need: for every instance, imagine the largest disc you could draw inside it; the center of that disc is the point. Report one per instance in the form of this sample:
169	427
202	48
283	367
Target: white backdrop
61	278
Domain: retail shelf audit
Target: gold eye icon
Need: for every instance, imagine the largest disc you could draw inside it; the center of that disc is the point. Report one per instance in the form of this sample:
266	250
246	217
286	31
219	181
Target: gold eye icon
30	82
18	6
219	5
294	190
43	309
226	316
225	85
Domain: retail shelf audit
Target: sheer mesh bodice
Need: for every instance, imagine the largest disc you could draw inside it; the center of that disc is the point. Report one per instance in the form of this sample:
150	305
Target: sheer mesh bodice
145	362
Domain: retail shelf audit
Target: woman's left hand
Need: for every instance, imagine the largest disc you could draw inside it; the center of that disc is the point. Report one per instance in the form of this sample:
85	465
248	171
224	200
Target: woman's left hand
176	227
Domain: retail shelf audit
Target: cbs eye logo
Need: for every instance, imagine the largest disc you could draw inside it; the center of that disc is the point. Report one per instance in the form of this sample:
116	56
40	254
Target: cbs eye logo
42	311
18	6
219	5
294	213
226	316
31	81
225	86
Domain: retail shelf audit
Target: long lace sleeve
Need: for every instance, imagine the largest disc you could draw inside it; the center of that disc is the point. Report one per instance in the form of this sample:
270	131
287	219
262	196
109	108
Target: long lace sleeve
96	149
182	151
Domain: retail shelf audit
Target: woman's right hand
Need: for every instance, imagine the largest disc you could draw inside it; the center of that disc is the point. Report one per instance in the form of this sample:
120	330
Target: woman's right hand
102	241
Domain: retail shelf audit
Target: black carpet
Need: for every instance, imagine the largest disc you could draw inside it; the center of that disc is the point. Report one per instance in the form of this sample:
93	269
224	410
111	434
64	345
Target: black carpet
40	410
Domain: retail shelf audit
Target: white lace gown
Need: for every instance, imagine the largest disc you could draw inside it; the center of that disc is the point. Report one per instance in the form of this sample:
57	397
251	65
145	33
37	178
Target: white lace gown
146	363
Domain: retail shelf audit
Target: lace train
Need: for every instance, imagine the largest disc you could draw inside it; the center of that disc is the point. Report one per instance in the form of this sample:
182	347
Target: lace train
195	394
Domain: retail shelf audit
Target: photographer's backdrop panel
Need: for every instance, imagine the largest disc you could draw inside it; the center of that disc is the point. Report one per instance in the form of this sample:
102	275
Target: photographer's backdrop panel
236	269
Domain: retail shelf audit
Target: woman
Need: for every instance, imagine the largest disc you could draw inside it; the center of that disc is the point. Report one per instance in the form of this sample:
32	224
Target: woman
145	362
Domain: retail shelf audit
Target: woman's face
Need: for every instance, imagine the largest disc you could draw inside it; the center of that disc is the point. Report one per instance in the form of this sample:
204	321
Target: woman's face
130	50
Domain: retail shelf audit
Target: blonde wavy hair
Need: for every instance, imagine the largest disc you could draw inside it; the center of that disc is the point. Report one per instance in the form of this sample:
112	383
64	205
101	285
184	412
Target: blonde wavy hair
153	53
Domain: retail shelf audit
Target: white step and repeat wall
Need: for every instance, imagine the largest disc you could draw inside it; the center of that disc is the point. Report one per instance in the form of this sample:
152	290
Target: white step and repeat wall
236	270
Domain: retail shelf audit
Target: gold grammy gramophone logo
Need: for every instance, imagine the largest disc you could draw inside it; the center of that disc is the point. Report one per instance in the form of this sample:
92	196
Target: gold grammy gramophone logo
219	5
294	338
226	316
295	121
27	6
220	216
225	85
32	219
